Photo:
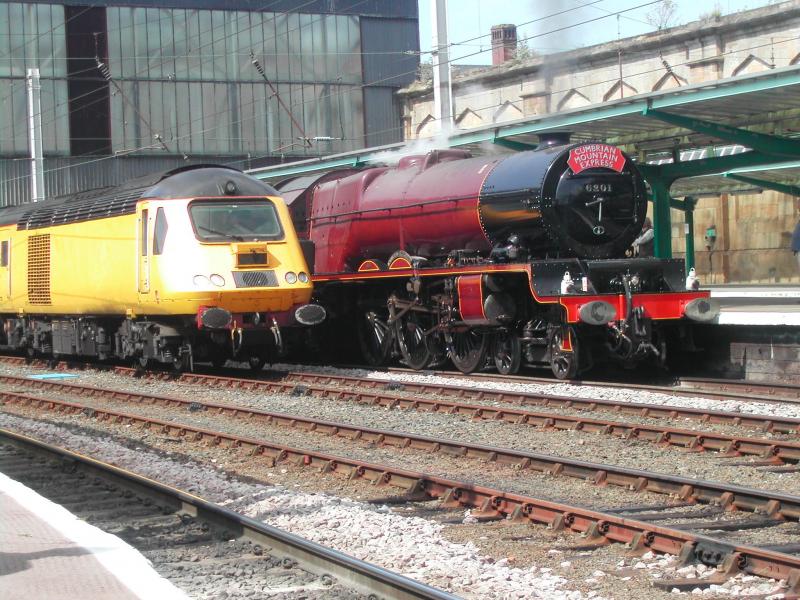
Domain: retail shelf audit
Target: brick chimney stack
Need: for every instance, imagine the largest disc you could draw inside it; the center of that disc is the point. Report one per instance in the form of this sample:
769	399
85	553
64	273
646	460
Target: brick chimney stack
504	43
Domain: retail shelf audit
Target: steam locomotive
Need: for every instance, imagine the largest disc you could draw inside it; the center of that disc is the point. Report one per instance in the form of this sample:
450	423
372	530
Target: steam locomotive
511	259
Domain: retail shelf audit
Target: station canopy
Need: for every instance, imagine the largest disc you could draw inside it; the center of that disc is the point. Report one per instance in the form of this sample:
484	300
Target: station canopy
733	135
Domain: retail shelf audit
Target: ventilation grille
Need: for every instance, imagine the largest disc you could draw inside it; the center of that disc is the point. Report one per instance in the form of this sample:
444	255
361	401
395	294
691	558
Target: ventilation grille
83	207
39	269
245	279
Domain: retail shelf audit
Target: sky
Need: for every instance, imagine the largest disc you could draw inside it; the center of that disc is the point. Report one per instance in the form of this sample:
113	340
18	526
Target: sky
469	19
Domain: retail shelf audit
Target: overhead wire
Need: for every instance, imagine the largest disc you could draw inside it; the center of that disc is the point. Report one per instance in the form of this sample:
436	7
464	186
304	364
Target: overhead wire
552	92
212	41
369	83
201	33
303	84
410	72
191	52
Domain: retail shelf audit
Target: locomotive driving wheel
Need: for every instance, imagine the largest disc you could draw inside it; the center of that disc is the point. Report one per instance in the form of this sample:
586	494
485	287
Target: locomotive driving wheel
375	336
563	361
507	352
467	349
410	332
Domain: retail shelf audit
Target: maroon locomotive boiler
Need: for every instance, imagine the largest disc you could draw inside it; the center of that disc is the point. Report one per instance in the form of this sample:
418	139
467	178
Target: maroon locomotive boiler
518	256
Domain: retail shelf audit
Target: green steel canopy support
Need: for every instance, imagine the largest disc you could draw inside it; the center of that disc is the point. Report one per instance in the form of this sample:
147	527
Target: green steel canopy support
781	80
792	190
662	220
687	206
673	202
688	210
761	142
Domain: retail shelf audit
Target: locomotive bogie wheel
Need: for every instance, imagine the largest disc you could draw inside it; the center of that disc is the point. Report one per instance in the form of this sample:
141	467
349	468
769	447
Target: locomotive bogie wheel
375	337
218	361
256	363
182	363
660	343
467	349
410	332
563	363
142	362
507	352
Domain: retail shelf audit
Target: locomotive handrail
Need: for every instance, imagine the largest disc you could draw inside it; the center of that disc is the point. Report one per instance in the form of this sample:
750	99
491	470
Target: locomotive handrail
390	208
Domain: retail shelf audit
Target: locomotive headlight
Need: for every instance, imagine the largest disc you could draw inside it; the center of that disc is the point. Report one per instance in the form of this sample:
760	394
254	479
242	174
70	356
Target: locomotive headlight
597	313
302	276
291	277
217	279
201	281
702	309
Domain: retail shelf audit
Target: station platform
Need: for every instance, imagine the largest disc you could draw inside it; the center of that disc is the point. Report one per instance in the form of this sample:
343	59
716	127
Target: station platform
46	552
765	305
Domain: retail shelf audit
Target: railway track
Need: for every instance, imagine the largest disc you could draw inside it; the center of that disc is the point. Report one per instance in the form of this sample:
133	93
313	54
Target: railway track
781	506
164	523
390	392
767	508
776	451
718	389
752	389
684	387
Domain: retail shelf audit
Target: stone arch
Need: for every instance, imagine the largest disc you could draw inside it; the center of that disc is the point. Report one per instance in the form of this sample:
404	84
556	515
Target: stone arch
751	64
573	99
613	92
425	127
669	81
507	112
468	119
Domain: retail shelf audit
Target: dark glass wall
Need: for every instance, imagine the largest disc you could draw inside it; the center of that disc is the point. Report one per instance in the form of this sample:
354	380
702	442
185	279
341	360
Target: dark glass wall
189	76
31	36
89	115
184	83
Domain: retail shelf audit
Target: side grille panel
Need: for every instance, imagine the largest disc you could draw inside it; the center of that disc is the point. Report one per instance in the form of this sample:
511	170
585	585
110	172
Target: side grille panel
246	279
39	269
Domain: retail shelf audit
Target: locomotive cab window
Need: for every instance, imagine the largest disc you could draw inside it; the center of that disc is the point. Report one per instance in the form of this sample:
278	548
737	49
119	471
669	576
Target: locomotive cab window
144	232
159	232
218	221
4	253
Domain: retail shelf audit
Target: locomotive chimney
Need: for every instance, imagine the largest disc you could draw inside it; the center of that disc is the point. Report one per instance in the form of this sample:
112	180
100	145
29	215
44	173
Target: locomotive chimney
504	43
554	138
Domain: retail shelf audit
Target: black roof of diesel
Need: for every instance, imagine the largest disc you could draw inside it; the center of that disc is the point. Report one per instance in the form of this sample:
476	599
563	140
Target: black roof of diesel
184	182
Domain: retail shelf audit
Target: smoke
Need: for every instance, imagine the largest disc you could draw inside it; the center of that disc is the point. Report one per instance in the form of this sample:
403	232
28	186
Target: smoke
419	146
556	33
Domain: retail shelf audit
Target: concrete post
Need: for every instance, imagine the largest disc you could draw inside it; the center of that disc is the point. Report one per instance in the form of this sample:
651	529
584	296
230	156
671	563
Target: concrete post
442	90
35	134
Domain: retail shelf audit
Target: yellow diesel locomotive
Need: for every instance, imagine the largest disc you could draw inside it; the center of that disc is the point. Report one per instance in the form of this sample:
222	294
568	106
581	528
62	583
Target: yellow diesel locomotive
200	263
